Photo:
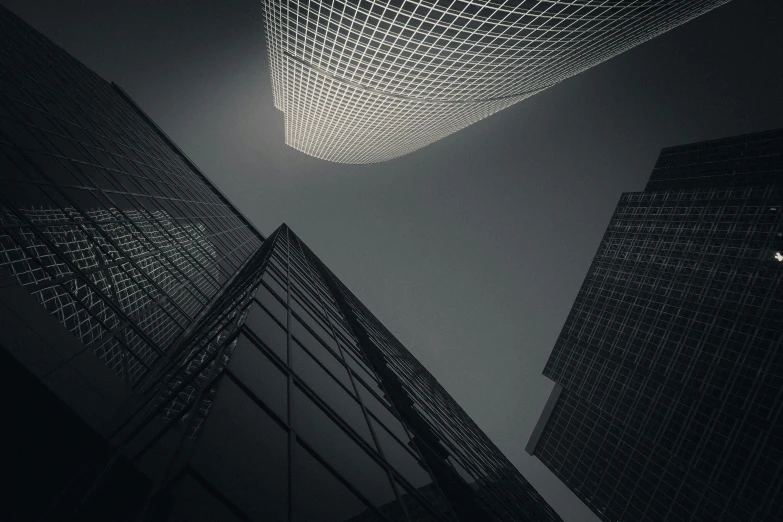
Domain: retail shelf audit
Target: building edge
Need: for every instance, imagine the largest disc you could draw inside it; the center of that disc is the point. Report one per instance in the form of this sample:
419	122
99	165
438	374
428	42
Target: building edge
543	420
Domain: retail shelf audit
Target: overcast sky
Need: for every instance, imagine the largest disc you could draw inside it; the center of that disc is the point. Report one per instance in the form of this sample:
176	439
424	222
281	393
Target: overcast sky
472	250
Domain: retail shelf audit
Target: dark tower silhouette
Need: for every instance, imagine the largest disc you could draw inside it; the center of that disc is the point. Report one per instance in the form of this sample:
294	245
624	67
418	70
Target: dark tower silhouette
669	368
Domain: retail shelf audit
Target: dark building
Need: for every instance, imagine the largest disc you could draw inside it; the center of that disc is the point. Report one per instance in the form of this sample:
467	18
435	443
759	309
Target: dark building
163	360
669	369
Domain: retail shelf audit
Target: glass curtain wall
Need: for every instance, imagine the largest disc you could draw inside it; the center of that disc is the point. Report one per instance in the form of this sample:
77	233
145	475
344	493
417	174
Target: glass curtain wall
102	217
313	420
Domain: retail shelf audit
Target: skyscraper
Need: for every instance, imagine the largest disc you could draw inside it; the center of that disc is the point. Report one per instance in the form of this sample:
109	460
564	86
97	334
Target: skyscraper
363	82
668	369
162	358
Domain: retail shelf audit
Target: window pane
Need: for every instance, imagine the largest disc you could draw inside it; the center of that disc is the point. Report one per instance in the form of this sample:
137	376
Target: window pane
381	411
318	495
400	459
340	451
266	329
329	391
243	454
320	352
258	373
270	302
306	337
360	368
306	315
274	285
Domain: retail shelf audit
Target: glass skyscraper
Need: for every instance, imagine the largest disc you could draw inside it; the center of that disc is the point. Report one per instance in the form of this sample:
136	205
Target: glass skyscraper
364	82
669	368
162	359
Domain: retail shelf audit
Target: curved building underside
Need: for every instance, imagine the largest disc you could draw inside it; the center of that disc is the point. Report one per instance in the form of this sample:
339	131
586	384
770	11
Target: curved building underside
369	81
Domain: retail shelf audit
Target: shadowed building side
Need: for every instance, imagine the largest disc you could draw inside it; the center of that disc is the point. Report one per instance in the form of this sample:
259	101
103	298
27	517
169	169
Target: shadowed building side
669	367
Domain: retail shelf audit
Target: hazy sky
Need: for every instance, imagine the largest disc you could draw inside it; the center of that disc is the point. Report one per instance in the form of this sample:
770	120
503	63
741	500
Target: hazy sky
472	250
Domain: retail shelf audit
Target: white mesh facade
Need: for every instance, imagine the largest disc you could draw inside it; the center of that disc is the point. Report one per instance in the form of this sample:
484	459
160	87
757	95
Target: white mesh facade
368	81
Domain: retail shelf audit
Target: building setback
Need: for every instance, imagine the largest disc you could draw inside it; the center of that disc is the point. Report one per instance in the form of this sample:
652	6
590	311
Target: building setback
162	359
668	371
364	82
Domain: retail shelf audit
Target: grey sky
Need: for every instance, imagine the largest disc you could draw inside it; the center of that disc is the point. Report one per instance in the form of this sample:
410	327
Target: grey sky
471	250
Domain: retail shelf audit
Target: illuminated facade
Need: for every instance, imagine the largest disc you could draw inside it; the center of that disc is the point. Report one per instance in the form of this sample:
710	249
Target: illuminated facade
668	370
163	360
364	82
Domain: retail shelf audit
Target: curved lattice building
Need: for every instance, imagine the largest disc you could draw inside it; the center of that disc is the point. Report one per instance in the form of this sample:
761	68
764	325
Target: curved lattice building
371	80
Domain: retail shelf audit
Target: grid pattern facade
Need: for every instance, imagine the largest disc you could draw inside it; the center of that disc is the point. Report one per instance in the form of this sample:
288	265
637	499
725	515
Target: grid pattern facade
354	428
670	358
364	82
102	218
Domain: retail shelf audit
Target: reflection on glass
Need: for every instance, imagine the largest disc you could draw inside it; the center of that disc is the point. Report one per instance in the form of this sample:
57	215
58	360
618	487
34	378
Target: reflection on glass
382	413
401	459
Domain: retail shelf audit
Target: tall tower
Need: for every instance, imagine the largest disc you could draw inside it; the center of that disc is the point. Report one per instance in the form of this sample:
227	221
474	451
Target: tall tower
668	370
364	82
163	360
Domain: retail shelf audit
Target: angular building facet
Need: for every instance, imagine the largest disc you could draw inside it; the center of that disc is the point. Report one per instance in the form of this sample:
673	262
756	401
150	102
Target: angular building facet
669	370
369	81
163	360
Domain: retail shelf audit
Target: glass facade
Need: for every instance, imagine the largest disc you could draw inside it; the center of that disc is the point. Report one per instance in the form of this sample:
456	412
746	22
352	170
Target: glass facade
670	361
354	428
369	81
254	384
106	222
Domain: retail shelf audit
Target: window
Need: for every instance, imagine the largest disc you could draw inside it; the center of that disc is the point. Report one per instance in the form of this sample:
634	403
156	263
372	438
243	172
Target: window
327	389
243	454
325	356
353	463
272	305
401	459
267	329
318	494
260	375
